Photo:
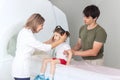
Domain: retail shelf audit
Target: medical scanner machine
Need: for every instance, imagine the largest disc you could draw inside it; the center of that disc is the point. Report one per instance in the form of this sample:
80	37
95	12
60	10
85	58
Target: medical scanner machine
13	15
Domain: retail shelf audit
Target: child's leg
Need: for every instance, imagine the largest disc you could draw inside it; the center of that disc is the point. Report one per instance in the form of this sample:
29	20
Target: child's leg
44	65
53	66
43	69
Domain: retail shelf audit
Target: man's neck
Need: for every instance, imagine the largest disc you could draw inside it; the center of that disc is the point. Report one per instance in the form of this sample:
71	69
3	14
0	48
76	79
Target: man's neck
91	26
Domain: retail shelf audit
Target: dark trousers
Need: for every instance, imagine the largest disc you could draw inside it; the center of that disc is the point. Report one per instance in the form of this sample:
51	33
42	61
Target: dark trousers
22	78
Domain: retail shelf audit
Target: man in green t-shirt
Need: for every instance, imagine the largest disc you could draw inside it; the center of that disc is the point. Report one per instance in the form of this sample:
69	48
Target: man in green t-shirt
90	45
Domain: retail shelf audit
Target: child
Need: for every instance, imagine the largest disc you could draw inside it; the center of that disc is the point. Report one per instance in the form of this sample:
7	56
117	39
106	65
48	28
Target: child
27	44
60	58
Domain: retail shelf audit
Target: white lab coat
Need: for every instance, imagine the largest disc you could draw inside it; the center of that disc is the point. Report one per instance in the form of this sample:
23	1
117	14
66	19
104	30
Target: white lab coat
26	45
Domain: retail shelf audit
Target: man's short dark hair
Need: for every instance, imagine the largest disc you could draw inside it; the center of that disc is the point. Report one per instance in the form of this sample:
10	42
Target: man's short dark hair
92	11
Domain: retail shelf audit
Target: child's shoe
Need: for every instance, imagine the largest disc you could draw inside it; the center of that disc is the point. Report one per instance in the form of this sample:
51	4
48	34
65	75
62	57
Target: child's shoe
49	79
40	77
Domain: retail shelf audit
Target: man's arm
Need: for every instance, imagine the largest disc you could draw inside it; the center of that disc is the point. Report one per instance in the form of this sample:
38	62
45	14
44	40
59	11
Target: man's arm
77	46
91	52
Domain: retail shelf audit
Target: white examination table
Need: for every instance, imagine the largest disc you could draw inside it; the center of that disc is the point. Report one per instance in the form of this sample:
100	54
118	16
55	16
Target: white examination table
78	70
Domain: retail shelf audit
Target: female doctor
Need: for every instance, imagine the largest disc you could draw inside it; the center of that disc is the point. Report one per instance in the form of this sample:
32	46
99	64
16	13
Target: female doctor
27	44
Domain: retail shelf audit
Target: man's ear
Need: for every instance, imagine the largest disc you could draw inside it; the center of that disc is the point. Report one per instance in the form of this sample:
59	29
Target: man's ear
96	18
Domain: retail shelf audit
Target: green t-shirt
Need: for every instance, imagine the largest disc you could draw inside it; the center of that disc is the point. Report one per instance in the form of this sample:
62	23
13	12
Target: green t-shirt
89	36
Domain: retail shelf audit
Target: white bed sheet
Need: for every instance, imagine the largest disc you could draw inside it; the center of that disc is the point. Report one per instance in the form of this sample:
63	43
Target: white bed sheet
78	70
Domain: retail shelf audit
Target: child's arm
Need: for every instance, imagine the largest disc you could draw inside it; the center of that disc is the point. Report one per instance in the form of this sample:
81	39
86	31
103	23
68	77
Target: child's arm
69	53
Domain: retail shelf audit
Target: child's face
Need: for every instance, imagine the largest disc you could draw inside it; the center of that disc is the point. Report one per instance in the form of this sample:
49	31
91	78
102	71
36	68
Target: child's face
57	36
39	27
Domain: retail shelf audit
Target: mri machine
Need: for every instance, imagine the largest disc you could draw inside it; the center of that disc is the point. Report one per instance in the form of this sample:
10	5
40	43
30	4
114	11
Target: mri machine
13	14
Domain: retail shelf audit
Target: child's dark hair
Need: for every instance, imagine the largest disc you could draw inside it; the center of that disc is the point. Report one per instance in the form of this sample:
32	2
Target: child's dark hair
92	11
61	31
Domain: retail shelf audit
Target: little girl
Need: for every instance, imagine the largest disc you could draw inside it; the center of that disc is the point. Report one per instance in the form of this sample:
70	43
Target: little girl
60	57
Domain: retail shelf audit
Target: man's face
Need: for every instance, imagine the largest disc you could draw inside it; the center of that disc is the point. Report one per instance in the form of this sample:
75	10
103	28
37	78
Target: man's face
88	20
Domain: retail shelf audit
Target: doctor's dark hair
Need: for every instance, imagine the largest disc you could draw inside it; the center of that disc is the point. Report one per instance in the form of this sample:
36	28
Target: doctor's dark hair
91	10
33	21
61	31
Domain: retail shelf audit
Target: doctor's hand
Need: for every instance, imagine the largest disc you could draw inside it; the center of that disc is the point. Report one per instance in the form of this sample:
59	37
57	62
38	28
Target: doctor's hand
51	40
63	37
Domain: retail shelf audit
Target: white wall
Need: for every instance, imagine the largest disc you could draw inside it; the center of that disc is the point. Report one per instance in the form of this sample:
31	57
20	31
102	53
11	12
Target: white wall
110	16
109	19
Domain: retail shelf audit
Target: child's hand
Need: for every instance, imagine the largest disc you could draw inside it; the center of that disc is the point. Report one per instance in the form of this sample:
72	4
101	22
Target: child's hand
66	52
